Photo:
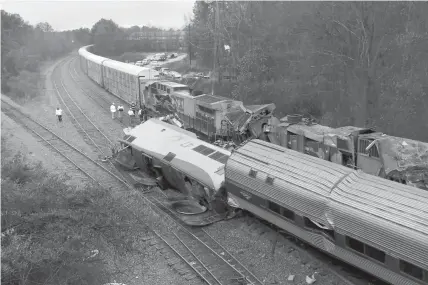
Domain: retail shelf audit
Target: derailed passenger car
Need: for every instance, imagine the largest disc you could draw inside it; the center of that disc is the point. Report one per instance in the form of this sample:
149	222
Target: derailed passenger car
369	222
188	164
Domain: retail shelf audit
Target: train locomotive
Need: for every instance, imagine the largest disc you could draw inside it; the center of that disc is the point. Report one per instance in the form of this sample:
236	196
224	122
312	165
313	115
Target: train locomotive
372	223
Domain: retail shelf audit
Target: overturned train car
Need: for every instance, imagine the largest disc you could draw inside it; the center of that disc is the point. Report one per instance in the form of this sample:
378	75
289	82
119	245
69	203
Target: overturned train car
176	156
374	224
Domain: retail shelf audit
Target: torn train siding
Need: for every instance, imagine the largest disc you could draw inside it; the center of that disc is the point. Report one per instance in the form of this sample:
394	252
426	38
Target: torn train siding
398	159
404	160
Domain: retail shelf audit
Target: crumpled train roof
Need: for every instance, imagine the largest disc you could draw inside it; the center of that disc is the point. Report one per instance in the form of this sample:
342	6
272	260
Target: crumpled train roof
401	154
237	117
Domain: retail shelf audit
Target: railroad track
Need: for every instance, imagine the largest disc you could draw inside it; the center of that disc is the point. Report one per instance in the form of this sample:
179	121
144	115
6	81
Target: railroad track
76	157
195	251
231	271
202	253
96	97
191	249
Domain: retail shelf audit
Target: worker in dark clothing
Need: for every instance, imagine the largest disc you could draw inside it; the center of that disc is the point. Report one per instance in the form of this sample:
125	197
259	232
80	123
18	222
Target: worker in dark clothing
120	111
141	115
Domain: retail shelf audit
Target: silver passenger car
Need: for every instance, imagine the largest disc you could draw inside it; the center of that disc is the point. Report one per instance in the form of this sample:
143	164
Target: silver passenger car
377	225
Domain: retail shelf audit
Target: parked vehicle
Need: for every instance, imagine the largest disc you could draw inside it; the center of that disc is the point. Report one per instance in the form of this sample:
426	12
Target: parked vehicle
164	71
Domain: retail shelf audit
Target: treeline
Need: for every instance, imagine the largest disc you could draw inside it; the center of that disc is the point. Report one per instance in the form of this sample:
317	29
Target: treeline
347	63
24	48
112	40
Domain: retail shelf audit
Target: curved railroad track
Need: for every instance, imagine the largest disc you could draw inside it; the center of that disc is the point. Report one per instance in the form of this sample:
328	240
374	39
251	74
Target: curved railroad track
197	254
194	246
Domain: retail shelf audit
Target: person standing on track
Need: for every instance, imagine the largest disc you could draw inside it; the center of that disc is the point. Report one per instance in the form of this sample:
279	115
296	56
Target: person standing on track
131	116
120	111
112	110
58	113
140	114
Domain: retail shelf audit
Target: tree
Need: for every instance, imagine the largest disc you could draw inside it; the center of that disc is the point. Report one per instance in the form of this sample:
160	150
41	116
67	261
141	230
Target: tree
44	27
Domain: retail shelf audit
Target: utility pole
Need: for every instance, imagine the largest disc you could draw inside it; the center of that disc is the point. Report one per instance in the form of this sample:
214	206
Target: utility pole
190	48
216	19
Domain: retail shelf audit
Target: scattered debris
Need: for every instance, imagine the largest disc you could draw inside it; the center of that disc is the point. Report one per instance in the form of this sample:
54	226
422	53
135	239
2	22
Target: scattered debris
310	280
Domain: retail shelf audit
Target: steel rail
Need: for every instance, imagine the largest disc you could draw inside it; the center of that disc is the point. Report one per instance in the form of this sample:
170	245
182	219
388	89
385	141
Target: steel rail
218	244
87	118
179	223
205	245
183	258
62	140
194	255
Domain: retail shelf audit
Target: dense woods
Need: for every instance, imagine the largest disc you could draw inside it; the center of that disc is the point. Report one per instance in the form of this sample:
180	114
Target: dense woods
348	63
24	48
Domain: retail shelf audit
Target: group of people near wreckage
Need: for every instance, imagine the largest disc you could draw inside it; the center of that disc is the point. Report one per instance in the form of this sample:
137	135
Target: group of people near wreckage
132	112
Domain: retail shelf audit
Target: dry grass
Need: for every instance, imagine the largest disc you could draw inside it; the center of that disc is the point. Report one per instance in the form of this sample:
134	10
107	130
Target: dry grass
49	228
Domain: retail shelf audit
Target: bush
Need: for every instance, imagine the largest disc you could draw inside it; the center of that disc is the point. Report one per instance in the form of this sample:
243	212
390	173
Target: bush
50	229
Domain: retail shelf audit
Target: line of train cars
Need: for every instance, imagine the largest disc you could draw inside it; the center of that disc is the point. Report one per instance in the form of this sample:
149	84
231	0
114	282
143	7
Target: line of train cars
372	223
123	80
398	159
209	115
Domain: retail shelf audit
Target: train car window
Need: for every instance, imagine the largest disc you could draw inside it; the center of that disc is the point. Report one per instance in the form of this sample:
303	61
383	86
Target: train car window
274	207
253	173
269	180
170	156
288	214
373	152
375	253
355	244
203	150
411	269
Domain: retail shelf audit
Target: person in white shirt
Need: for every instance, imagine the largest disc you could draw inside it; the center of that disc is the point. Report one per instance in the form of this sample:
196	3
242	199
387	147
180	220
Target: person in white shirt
119	111
58	113
112	110
131	116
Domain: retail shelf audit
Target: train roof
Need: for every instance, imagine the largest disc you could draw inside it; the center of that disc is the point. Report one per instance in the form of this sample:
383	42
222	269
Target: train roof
182	150
348	201
172	84
130	68
209	99
83	51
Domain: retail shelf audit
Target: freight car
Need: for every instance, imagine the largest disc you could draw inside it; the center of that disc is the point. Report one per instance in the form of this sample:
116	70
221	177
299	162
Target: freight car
91	65
369	222
123	80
